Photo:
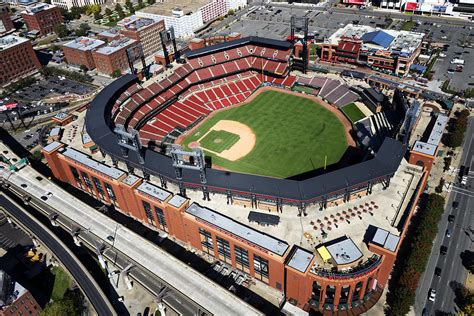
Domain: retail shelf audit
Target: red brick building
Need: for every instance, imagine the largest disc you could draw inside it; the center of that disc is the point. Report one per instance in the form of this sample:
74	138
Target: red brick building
79	51
6	23
17	58
144	30
113	56
355	284
15	299
42	17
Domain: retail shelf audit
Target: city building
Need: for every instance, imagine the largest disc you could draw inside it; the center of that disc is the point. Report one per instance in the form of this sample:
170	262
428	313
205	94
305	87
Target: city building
186	16
78	52
109	35
42	17
15	299
425	145
383	50
17	58
6	24
441	7
20	3
113	56
144	30
69	4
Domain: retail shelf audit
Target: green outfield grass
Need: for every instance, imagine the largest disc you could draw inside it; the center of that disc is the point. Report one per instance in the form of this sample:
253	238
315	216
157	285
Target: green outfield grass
293	135
353	112
218	141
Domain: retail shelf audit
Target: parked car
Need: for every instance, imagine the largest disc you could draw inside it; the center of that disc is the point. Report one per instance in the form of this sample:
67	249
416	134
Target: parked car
455	204
448	233
437	272
451	218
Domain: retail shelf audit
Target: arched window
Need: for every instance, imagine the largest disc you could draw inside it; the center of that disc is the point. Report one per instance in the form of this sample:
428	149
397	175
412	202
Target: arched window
356	293
420	163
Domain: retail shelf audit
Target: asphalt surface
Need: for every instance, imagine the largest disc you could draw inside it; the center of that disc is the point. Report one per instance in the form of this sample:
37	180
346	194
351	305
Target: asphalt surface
79	273
452	270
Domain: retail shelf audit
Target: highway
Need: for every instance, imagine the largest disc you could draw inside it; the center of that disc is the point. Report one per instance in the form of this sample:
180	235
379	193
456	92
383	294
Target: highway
148	259
452	270
80	274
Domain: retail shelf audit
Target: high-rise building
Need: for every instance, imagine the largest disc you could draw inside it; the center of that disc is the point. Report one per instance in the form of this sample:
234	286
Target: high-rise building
145	30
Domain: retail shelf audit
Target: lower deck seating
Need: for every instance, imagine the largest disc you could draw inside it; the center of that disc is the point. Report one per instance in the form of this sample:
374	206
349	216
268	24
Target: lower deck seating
214	95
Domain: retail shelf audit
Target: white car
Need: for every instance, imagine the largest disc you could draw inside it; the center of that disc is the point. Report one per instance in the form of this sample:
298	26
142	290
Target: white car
432	295
442	55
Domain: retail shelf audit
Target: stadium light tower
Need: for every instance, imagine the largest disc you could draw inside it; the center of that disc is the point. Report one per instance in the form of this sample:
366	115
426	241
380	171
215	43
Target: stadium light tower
299	24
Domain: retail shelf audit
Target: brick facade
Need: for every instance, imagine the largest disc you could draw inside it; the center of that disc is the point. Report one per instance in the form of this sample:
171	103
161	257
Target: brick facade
17	58
309	290
6	23
43	18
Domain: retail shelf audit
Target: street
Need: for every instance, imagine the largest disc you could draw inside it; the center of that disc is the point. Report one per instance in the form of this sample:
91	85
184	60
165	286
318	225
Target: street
452	270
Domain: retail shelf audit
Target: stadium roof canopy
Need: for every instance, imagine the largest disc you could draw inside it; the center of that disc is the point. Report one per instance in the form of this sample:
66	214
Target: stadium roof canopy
380	38
277	44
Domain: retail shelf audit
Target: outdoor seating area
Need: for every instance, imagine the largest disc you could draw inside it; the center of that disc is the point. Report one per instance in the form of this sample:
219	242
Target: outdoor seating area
333	221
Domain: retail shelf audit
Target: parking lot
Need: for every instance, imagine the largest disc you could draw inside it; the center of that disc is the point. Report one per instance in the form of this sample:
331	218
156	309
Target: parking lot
45	88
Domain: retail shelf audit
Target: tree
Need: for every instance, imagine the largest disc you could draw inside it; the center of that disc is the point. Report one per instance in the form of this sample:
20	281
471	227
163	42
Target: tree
151	2
128	4
76	12
119	10
140	4
66	14
116	73
83	68
231	12
61	30
61	307
97	16
92	8
108	12
83	29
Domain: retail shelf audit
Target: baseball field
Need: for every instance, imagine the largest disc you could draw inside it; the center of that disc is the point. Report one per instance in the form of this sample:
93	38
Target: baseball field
275	134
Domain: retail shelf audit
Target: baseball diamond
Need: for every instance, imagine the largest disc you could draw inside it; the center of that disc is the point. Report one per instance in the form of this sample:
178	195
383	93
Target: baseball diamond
293	134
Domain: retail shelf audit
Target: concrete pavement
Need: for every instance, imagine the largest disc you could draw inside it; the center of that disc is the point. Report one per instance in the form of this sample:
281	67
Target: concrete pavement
80	274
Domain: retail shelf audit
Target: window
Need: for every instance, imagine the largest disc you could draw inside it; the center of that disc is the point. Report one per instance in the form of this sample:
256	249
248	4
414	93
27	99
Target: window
76	176
260	267
223	248
357	290
148	213
87	182
206	241
161	218
242	259
98	187
330	293
110	192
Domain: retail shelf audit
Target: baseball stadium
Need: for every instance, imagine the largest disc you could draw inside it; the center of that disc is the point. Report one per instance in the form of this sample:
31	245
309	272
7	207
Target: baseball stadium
261	139
312	193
